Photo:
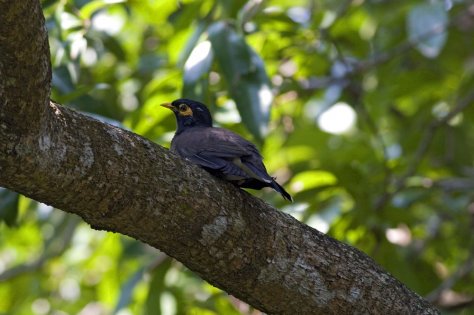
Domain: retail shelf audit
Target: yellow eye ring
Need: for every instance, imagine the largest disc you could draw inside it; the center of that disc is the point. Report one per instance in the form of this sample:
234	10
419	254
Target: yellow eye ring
183	107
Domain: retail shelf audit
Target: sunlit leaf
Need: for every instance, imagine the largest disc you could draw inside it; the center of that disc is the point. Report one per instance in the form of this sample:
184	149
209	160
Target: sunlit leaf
92	6
196	70
311	179
198	63
246	77
69	21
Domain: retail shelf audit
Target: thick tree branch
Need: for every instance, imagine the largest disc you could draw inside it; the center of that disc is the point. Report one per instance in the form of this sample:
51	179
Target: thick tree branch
118	181
25	67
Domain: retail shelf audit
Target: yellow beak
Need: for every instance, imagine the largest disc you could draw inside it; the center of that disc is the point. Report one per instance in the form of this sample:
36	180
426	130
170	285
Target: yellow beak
168	105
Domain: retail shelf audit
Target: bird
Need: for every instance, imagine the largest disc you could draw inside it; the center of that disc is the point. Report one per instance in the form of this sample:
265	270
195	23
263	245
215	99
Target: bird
219	151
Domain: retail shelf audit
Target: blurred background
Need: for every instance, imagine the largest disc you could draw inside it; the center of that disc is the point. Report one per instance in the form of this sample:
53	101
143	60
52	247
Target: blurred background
362	110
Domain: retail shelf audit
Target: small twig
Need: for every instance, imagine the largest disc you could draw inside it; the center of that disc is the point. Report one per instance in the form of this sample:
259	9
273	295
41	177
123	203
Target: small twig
422	149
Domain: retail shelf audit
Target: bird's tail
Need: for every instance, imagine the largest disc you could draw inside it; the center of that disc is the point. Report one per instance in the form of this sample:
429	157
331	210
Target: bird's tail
281	190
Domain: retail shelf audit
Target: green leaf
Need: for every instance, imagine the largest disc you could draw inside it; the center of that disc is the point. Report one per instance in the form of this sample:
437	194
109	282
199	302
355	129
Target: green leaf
191	43
114	46
62	79
196	70
91	7
250	9
127	289
427	28
8	206
156	289
246	77
198	63
312	179
47	3
197	90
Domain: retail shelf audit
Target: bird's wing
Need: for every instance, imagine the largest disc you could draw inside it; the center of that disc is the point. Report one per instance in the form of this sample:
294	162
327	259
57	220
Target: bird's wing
216	142
221	149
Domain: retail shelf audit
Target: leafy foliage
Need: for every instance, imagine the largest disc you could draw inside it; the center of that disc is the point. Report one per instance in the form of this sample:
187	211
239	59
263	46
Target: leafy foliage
362	110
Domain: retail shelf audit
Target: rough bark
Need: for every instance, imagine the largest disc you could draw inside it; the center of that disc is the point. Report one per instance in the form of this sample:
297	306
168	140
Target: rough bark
118	181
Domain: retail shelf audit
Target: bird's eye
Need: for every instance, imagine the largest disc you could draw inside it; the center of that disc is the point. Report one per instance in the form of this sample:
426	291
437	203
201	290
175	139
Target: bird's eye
183	107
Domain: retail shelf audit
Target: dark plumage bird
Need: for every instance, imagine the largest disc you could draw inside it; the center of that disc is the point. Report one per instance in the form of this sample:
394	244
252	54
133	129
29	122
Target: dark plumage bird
219	151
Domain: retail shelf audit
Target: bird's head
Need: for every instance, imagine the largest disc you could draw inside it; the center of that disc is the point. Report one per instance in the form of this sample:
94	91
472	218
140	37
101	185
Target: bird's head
189	113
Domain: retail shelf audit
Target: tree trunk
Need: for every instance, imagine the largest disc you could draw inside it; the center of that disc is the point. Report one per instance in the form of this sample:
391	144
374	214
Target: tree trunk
118	181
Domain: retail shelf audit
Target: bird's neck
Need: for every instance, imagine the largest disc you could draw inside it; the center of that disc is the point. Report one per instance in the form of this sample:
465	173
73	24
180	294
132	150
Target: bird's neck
188	123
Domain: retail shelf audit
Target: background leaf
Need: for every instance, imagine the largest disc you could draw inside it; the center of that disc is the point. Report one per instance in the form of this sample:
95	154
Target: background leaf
427	28
8	206
246	76
196	71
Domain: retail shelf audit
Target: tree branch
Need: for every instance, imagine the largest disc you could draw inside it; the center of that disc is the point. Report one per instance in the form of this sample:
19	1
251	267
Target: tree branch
118	181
